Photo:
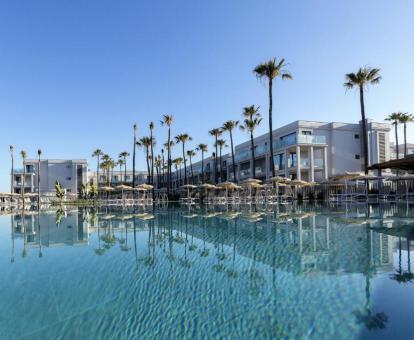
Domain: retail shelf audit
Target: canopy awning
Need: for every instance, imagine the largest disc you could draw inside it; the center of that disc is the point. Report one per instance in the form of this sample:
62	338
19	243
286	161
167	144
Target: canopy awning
406	163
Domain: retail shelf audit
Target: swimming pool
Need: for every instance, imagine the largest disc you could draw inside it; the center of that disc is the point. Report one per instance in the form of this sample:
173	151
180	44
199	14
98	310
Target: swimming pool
297	271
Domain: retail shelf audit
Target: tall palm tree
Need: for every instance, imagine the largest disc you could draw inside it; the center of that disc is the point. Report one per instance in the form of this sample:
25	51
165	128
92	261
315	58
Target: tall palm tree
221	144
39	153
97	153
250	123
145	142
23	154
229	126
361	79
404	119
270	70
112	166
162	167
133	155
202	148
178	162
169	145
168	120
105	166
124	156
121	163
183	138
191	154
158	164
11	149
151	127
395	118
216	133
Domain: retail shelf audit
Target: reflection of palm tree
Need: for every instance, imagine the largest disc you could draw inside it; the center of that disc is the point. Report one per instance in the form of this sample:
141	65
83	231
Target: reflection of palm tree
12	226
205	251
99	251
366	316
400	276
232	272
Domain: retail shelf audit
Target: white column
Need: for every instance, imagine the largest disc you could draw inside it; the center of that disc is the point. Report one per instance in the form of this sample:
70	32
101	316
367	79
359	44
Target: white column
312	165
298	176
325	162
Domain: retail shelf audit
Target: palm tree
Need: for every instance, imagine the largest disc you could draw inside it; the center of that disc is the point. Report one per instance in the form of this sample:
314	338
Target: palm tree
97	153
145	142
203	148
250	123
404	119
364	77
221	144
169	145
229	126
163	167
191	154
124	156
178	162
395	119
121	163
183	138
11	149
105	165
133	155
151	127
216	133
24	155
270	70
158	164
39	153
168	120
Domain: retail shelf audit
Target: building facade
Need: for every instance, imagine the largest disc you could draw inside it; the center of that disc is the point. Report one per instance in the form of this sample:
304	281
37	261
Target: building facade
117	177
410	150
306	150
71	174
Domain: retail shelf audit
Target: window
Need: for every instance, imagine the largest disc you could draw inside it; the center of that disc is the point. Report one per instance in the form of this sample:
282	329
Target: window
307	133
68	178
356	136
279	161
357	156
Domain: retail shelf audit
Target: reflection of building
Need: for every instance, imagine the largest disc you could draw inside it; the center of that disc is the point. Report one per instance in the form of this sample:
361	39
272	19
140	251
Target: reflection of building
51	230
313	243
70	173
307	150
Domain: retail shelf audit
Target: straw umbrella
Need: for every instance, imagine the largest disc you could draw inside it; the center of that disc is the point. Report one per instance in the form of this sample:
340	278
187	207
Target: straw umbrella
228	186
106	189
123	187
206	187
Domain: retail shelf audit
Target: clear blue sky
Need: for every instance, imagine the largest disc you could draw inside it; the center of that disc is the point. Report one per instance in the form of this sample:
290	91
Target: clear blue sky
75	75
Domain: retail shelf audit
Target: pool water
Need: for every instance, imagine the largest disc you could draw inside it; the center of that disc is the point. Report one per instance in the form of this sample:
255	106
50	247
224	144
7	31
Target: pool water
292	271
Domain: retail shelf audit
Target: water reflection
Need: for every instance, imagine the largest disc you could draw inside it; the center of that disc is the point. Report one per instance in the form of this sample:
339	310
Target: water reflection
287	263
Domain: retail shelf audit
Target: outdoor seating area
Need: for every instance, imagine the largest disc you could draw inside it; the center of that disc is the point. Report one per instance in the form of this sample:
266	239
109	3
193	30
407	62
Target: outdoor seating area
123	195
280	190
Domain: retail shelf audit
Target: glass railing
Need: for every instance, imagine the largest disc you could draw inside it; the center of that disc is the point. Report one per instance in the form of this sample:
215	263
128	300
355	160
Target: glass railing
318	162
245	172
300	139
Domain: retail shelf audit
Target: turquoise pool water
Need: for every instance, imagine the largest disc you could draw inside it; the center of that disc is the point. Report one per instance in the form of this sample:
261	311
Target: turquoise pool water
318	272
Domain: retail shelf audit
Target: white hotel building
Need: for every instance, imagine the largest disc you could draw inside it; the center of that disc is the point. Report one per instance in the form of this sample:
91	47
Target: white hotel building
307	150
70	173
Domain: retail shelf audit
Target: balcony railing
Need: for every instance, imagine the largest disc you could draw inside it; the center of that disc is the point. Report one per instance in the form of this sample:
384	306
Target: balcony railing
300	139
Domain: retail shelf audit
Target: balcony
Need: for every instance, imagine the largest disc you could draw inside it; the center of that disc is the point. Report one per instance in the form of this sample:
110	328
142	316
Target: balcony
244	173
300	139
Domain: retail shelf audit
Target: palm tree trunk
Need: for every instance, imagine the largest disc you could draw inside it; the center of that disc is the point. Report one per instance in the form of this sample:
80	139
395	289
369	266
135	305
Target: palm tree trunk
232	157
192	173
202	167
125	170
148	165
215	165
185	165
97	174
396	139
405	139
12	176
168	161
221	166
364	129
252	150
152	159
272	165
133	160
